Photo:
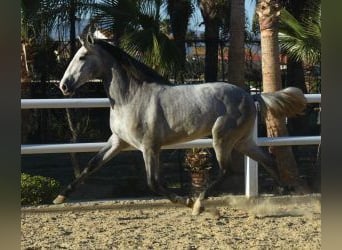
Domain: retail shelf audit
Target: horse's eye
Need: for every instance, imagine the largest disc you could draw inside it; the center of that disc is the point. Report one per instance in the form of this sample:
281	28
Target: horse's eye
82	58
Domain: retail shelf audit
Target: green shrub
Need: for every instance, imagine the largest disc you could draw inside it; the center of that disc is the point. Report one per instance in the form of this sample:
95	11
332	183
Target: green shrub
38	189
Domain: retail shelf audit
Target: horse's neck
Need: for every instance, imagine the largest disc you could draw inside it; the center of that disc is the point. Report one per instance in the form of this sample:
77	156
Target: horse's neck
123	86
119	87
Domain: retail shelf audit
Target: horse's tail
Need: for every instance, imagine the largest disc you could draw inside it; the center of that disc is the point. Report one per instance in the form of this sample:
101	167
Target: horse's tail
287	102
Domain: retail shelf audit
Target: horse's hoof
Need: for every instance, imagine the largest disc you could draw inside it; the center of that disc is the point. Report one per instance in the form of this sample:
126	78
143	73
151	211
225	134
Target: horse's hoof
59	199
197	211
189	202
197	208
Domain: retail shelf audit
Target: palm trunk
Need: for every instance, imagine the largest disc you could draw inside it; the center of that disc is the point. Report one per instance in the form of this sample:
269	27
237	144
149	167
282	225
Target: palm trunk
269	11
236	62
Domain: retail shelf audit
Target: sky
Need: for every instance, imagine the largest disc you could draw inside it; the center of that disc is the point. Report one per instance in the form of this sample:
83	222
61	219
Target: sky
197	18
194	22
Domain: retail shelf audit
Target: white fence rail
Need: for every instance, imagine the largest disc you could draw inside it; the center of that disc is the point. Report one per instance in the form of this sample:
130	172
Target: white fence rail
97	102
251	167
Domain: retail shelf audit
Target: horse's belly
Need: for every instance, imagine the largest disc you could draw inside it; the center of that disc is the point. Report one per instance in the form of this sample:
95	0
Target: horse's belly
187	130
183	137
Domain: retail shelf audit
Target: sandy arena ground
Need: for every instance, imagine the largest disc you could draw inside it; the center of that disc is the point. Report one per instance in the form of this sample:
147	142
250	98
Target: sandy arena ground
229	222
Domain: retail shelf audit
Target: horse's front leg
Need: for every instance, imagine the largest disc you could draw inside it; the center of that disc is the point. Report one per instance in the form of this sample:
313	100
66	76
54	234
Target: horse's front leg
151	158
113	146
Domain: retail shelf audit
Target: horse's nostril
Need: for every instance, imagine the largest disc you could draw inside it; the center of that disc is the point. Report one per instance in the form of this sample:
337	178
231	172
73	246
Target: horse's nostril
64	87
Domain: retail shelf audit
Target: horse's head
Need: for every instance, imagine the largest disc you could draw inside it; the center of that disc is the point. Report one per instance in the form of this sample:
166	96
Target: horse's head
83	67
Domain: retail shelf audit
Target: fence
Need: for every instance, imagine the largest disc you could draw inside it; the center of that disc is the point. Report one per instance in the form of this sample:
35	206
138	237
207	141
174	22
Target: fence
251	167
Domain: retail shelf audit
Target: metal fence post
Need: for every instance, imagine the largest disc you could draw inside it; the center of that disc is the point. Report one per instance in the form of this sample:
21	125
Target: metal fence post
251	168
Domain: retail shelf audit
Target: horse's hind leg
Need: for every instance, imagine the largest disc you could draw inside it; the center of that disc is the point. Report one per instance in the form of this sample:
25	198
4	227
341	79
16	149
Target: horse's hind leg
249	148
224	140
223	155
113	146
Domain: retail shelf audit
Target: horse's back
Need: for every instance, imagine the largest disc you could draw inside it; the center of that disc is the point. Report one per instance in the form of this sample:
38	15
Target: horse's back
217	97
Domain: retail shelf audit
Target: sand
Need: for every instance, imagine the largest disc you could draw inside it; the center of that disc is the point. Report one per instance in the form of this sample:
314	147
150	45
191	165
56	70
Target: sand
229	222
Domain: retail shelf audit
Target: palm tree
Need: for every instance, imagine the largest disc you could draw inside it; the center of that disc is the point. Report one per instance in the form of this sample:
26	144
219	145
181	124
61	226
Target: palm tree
115	17
42	17
269	12
212	12
39	19
35	30
299	37
295	69
302	39
136	27
66	13
25	40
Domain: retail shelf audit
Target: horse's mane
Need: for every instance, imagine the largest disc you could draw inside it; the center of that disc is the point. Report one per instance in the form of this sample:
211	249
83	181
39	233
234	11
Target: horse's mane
134	68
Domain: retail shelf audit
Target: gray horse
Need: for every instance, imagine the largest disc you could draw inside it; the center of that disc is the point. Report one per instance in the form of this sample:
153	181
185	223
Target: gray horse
147	112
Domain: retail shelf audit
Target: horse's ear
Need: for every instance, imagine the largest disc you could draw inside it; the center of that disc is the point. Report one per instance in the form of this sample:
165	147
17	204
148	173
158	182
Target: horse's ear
90	39
87	41
81	40
87	38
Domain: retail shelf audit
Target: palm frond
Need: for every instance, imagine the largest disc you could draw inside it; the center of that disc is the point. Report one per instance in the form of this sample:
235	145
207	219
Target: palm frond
301	39
115	15
136	25
290	25
154	49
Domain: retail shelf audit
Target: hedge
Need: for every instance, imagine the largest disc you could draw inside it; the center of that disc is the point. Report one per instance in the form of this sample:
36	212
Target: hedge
37	190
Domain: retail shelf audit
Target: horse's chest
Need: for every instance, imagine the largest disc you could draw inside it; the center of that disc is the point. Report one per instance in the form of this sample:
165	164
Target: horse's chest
128	127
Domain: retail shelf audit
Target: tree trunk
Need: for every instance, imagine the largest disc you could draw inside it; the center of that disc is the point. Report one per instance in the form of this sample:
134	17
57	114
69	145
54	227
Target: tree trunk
236	62
211	36
25	73
180	12
25	79
268	12
74	132
74	139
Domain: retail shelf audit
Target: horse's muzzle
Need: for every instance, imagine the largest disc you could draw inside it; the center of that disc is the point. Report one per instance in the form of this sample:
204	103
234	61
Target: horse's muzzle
67	91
